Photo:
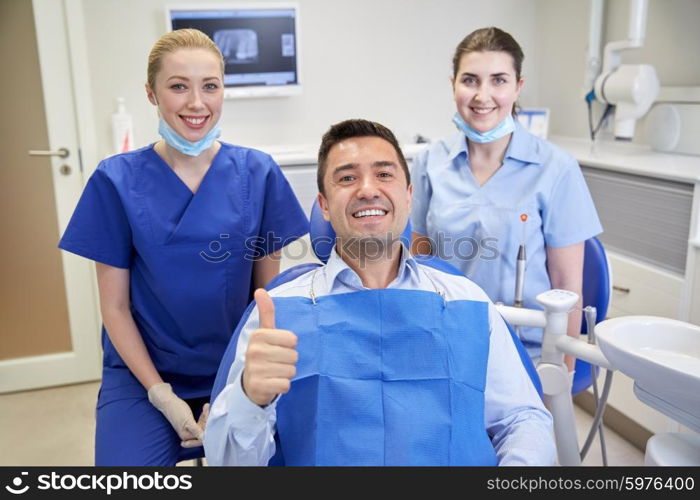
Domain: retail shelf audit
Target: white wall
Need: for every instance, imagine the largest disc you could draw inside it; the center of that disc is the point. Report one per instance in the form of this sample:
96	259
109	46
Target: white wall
385	60
671	46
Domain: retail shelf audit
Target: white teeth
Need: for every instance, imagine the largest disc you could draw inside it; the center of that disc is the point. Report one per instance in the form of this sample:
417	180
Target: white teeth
481	111
368	213
195	121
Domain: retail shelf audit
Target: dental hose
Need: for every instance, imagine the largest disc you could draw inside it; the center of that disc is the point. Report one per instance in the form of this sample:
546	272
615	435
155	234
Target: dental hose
593	131
591	317
601	433
601	402
598	417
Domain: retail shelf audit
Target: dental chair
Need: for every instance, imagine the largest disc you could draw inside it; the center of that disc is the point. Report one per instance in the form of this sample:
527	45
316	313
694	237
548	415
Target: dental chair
597	290
322	238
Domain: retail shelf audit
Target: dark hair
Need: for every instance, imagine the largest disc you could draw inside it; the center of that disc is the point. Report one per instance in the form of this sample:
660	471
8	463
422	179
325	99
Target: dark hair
355	128
490	40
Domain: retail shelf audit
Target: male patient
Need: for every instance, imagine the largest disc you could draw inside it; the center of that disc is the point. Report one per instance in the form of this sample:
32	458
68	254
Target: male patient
375	358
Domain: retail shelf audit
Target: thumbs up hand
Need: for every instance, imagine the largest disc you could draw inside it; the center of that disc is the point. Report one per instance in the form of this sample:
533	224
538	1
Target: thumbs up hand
271	356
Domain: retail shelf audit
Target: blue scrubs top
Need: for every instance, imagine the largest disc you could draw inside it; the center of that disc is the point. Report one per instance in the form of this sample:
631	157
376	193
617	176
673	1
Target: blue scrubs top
190	256
478	229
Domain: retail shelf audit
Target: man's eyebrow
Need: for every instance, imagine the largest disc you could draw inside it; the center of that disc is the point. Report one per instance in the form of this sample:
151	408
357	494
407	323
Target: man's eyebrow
384	163
376	164
347	166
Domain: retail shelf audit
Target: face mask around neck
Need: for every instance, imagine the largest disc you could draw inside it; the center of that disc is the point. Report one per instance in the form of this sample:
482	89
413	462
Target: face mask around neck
504	128
184	146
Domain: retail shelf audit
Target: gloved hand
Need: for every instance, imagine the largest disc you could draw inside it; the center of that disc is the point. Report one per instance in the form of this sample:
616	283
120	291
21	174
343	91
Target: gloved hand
178	414
202	424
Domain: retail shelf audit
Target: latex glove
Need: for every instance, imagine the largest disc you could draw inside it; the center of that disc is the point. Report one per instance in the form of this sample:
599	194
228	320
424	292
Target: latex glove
202	424
177	412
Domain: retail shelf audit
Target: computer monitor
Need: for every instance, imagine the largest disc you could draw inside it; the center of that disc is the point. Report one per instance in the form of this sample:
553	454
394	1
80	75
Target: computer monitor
259	42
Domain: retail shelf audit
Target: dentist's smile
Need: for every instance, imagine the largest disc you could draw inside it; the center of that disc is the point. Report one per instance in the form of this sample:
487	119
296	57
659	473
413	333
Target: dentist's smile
195	122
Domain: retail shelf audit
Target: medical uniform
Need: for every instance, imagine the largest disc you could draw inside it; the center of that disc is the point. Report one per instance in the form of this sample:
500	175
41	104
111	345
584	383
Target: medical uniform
369	418
478	229
190	258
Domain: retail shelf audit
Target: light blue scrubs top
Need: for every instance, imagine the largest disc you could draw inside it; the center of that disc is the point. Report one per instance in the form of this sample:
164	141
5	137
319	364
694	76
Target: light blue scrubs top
478	229
190	255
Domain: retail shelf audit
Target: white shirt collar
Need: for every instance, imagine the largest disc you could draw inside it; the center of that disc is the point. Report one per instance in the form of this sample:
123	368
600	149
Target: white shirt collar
338	273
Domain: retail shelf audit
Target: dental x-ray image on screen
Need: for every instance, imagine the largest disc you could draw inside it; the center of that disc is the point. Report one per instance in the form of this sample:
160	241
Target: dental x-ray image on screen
259	43
237	46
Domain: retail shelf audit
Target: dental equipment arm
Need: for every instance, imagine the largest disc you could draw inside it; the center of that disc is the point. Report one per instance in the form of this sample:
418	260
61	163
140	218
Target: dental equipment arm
551	369
520	272
565	270
631	88
519	277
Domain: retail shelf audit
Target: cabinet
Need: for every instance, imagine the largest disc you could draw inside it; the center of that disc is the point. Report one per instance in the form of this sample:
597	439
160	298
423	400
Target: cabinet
639	288
302	178
648	222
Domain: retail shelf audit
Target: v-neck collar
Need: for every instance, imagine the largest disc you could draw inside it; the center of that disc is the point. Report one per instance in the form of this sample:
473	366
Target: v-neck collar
521	147
192	205
163	164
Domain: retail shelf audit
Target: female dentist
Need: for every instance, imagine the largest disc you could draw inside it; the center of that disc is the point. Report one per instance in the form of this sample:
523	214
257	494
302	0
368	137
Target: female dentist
181	231
492	187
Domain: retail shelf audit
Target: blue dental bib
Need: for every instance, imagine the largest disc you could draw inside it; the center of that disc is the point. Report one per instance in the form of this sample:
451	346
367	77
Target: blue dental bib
385	377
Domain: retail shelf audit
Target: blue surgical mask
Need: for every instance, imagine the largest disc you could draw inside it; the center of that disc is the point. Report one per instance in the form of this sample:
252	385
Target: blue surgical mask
184	146
504	128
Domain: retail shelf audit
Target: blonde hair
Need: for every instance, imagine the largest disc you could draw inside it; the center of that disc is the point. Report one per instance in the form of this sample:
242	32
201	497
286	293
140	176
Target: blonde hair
179	39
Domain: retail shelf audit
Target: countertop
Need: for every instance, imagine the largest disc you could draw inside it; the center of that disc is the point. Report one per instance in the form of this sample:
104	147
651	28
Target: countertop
306	154
632	158
609	155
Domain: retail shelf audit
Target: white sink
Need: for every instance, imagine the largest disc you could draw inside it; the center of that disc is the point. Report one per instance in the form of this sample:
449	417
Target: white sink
662	356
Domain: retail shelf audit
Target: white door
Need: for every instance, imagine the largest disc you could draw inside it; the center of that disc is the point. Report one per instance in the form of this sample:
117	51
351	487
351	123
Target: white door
49	321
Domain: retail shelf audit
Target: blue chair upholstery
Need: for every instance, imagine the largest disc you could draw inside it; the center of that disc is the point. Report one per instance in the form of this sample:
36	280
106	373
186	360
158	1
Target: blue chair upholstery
596	293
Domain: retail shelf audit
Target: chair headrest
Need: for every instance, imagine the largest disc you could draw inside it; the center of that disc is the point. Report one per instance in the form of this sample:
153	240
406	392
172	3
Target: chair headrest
323	236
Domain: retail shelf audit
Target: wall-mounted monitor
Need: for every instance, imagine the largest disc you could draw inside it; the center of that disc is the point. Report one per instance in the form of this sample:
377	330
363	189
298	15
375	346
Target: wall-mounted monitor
259	42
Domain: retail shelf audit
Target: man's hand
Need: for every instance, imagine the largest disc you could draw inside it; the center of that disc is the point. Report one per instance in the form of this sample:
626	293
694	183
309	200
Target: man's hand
271	357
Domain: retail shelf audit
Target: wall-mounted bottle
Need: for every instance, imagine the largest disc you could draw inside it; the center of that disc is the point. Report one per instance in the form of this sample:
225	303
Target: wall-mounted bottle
122	129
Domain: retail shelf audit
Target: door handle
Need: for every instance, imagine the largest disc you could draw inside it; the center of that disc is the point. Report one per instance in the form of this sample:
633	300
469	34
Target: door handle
61	153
